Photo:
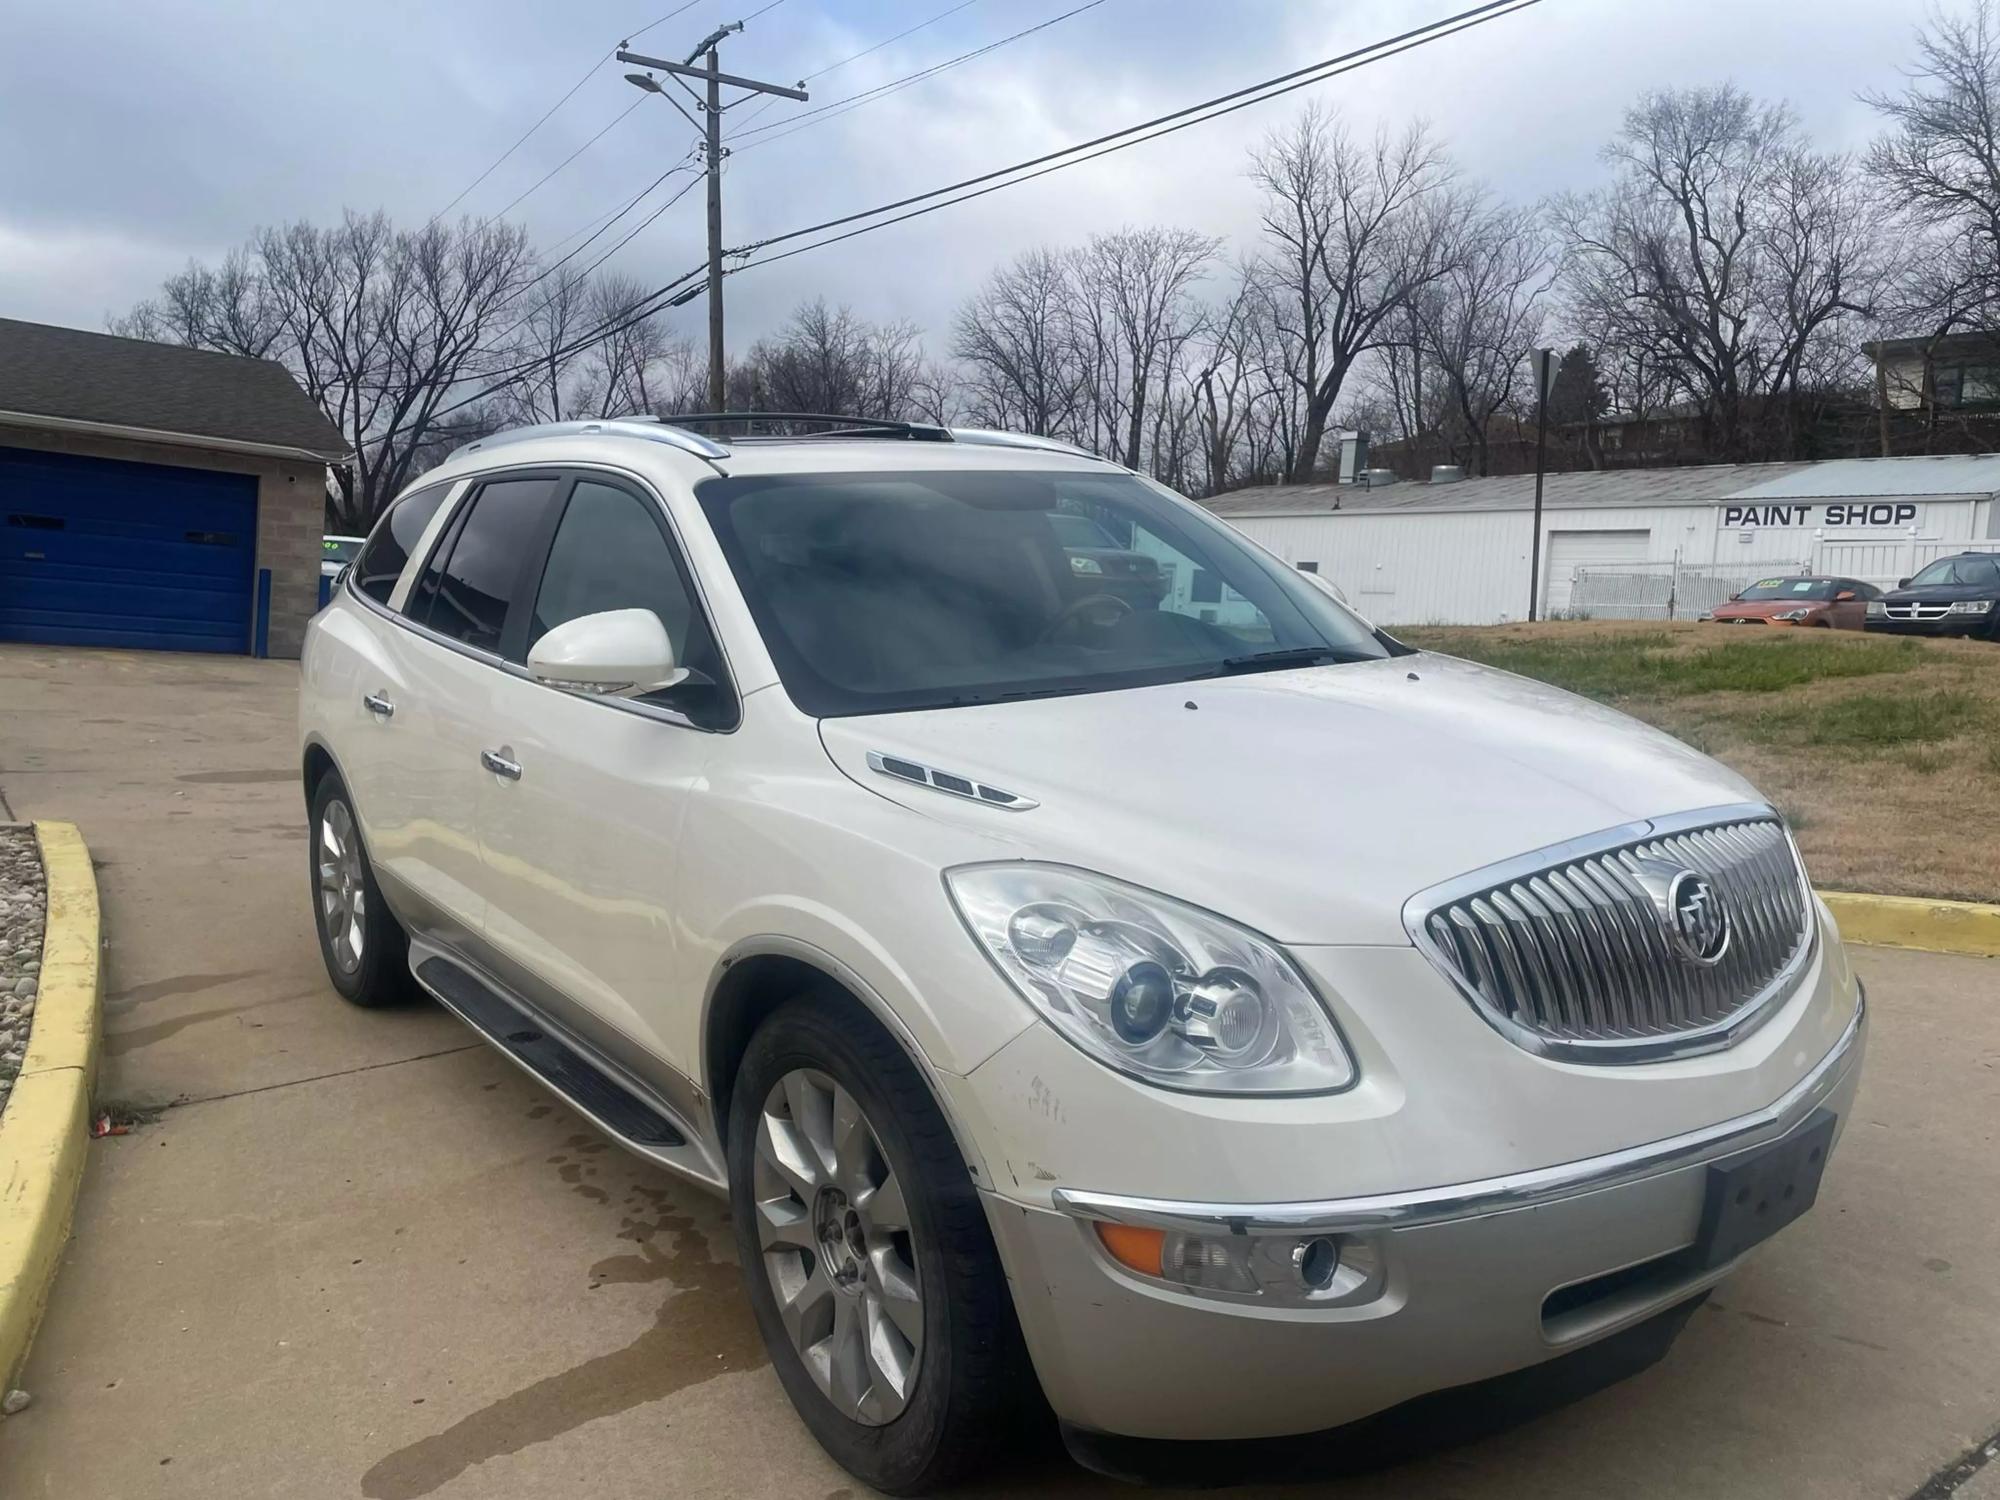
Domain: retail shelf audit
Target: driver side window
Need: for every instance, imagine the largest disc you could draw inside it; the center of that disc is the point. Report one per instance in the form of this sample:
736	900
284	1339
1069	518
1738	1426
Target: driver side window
610	552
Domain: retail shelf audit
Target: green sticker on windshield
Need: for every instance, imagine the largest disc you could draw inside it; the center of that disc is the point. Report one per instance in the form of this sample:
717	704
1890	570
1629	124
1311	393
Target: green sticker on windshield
1768	583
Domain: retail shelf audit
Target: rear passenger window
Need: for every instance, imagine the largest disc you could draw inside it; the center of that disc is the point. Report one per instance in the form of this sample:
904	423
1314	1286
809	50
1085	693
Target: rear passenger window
474	574
388	548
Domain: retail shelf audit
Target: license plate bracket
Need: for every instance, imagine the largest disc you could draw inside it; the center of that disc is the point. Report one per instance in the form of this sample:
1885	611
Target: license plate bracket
1751	1198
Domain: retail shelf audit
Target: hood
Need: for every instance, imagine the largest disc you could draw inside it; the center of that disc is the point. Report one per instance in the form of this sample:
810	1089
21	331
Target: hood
1306	804
1764	609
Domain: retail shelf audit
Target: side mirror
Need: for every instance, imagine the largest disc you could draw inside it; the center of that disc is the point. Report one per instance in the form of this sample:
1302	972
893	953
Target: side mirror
1843	596
1902	583
1733	598
620	653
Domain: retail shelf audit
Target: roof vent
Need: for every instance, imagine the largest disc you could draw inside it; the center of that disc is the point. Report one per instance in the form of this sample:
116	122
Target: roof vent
1446	473
1376	478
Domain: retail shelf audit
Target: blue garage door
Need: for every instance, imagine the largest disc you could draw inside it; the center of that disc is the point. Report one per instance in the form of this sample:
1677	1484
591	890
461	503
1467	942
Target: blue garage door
99	553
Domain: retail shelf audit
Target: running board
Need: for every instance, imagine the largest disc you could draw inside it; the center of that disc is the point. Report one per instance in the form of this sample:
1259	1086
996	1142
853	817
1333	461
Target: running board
637	1121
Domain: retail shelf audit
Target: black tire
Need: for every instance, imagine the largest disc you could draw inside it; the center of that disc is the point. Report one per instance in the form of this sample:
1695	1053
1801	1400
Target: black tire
973	1388
382	974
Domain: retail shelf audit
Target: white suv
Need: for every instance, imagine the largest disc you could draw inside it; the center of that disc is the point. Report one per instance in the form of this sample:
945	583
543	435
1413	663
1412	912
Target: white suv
1170	984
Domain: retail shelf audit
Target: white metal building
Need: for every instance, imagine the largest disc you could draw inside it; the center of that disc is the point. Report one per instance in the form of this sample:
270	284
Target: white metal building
1620	542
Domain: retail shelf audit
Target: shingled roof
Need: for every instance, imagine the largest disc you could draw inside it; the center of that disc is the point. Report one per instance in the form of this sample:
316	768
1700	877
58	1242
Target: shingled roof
98	378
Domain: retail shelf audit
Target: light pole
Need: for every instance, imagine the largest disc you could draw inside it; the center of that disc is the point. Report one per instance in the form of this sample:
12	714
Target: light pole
1543	362
710	73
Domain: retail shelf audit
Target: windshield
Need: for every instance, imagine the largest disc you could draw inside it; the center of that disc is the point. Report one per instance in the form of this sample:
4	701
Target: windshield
1791	588
879	592
1973	570
340	549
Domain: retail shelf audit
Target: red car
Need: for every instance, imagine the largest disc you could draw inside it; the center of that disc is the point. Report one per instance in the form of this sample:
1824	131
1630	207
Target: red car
1807	599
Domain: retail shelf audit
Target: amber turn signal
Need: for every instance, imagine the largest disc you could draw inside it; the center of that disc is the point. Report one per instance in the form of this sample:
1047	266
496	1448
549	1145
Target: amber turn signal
1130	1245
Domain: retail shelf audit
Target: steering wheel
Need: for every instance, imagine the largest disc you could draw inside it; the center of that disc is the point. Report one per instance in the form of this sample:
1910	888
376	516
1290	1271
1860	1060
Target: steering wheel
1079	609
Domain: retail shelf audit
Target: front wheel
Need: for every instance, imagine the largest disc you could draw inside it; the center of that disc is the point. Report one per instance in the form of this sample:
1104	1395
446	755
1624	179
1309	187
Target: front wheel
870	1267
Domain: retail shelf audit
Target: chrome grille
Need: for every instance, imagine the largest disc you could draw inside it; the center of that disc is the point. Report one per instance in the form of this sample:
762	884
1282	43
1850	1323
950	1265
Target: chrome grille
1569	953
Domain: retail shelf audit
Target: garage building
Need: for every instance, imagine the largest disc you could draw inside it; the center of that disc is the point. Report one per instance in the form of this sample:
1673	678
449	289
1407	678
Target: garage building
155	496
1620	543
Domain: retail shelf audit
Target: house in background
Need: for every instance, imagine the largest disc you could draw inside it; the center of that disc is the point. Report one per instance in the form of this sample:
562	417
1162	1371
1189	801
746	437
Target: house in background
156	496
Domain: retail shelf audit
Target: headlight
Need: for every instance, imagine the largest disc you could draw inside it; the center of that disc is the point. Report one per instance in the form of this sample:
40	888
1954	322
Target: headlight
1165	992
1791	614
1085	565
1877	607
1971	606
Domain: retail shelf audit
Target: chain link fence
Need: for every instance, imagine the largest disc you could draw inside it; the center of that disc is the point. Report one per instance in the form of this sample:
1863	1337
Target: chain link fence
1662	590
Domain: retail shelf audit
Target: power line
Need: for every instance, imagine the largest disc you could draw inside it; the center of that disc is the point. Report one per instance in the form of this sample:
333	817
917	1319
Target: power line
1180	119
864	52
569	94
895	85
518	198
1054	161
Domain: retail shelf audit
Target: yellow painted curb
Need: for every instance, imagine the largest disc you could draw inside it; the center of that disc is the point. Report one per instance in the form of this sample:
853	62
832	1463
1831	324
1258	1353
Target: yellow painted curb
44	1132
1916	922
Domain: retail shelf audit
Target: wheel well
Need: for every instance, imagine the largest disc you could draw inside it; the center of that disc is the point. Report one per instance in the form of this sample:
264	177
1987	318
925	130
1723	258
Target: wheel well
317	764
750	991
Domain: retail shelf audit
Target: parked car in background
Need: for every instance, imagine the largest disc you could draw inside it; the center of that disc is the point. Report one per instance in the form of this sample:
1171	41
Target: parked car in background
1807	599
1244	1027
1098	565
1957	595
336	552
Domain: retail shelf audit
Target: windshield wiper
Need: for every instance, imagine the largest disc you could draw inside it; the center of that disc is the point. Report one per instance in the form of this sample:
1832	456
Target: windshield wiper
1278	661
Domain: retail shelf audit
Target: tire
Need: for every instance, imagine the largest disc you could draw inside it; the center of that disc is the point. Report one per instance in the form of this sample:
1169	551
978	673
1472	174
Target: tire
968	1383
338	873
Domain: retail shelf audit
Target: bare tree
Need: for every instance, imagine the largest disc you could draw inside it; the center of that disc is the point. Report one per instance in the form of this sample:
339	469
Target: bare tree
1723	253
1016	341
550	348
223	308
1138	285
1477	322
1353	231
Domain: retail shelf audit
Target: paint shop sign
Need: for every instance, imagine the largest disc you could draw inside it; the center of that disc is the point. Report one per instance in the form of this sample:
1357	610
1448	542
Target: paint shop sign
1854	513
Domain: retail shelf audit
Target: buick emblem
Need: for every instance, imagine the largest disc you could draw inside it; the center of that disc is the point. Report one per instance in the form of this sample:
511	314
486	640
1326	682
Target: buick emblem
1690	909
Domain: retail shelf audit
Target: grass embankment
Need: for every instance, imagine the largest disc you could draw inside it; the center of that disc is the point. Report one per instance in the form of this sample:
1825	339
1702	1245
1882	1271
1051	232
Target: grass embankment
1884	753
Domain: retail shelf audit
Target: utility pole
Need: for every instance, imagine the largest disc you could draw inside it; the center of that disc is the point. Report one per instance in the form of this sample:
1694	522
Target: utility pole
712	75
1543	362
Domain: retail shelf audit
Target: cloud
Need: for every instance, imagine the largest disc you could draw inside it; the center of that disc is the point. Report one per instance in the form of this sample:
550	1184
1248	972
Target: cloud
206	122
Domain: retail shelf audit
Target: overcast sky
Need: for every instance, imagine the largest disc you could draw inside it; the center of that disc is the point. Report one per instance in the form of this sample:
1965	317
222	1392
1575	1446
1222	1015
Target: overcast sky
136	134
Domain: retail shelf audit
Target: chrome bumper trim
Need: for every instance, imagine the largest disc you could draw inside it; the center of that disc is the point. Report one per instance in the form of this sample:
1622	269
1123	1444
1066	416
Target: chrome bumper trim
1493	1194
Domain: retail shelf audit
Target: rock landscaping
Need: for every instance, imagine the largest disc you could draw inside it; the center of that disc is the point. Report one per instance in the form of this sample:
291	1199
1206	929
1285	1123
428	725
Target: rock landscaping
23	901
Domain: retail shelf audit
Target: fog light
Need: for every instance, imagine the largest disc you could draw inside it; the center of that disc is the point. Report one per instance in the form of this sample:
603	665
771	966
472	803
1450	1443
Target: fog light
1317	1262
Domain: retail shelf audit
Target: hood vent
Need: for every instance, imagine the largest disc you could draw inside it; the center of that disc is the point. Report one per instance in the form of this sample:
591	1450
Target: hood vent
946	781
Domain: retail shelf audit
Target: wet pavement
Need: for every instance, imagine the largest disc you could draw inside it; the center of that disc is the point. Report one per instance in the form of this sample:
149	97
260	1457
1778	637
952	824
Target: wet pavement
358	1254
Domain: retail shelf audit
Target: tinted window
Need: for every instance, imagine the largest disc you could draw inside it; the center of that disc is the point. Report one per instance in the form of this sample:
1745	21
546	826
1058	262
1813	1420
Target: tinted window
610	553
877	592
1972	570
388	549
475	572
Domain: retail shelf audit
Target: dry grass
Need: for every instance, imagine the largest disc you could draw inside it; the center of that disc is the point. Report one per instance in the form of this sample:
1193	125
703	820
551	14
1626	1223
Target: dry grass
1884	753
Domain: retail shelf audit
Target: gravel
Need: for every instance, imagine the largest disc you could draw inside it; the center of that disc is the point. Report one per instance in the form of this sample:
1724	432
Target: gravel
22	901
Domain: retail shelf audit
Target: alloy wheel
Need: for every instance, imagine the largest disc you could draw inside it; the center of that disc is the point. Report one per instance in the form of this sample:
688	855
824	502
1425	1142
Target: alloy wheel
837	1247
343	896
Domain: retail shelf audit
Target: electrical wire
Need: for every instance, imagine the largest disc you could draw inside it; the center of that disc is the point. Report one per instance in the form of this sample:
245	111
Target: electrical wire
541	181
1180	119
865	51
1054	161
795	123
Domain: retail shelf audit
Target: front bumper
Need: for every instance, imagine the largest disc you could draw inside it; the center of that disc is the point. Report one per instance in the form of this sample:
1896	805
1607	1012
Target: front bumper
1943	625
1458	1292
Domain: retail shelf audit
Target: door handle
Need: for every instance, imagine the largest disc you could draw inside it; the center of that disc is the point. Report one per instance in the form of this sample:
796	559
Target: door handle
499	765
378	705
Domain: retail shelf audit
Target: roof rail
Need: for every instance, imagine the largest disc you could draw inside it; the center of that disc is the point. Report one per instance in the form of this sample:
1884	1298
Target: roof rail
993	438
650	428
841	426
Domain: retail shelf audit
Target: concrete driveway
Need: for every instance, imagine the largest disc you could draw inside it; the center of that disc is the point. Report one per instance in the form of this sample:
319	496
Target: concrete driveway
360	1255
